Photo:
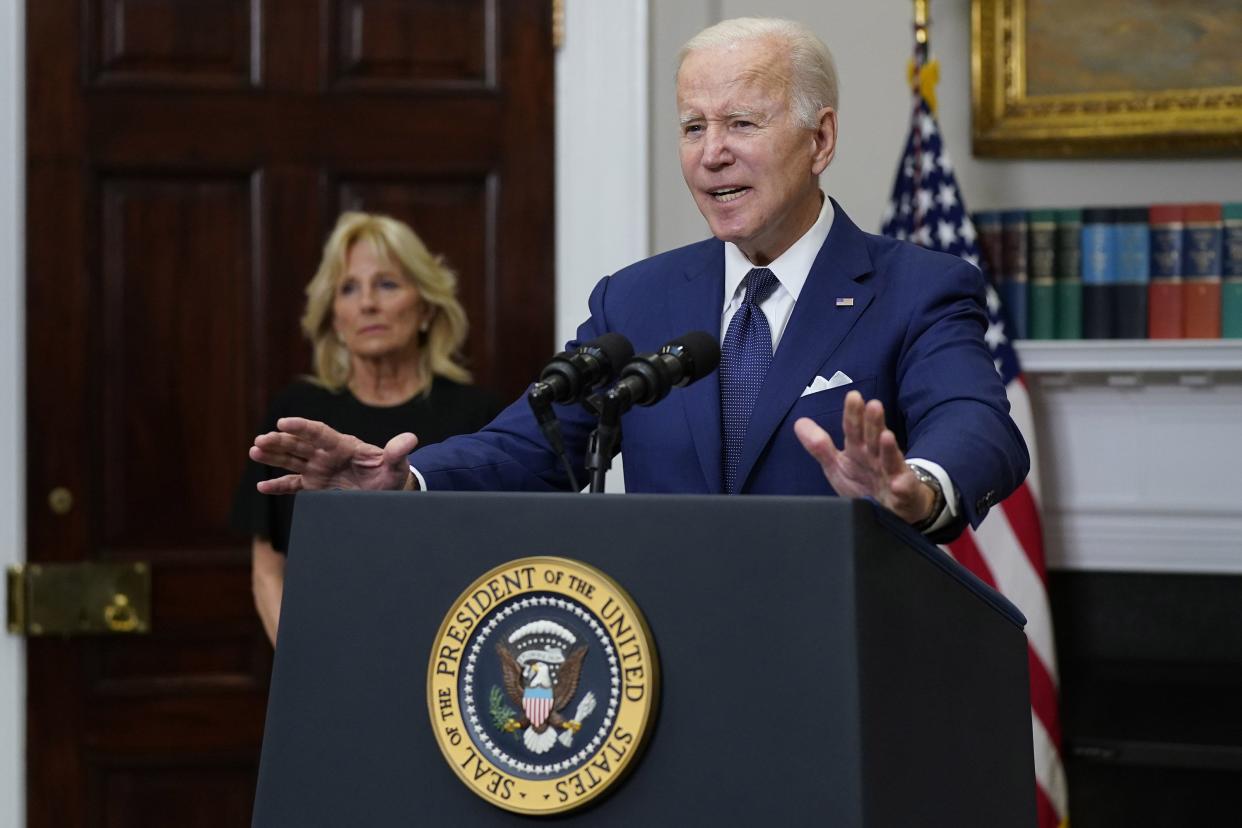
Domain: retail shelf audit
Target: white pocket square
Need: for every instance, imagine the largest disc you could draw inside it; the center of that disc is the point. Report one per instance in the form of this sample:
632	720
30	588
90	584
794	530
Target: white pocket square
821	384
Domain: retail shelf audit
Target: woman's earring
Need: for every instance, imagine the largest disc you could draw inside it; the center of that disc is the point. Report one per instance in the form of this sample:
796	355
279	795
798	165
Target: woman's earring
425	326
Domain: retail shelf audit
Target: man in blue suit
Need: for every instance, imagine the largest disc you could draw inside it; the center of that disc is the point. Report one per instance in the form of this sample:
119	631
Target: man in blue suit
815	315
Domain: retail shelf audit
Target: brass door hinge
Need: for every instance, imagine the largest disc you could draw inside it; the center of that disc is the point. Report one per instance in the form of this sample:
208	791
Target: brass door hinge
79	599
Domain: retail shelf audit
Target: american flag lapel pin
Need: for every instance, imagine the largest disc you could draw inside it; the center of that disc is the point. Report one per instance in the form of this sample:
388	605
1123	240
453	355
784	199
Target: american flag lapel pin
845	301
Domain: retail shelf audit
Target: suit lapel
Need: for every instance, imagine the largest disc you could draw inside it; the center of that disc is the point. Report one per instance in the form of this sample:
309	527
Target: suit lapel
815	329
696	300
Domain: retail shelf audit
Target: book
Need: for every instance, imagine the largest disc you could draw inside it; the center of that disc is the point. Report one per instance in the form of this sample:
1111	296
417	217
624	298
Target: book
1133	240
1099	271
1231	272
1042	252
988	226
1069	274
1201	270
1164	293
1013	285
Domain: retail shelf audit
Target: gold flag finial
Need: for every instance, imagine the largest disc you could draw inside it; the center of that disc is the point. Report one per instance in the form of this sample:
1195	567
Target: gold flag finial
923	72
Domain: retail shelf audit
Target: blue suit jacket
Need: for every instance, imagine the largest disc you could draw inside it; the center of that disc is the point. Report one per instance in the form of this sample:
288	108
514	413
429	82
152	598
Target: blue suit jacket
913	339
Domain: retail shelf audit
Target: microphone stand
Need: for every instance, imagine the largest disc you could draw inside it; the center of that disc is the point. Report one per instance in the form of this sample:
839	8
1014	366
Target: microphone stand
603	439
541	405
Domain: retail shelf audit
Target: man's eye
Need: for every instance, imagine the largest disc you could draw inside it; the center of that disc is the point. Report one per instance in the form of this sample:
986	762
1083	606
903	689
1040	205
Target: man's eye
744	124
692	129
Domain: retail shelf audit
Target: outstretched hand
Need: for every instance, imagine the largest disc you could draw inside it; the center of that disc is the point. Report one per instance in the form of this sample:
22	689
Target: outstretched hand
869	464
323	458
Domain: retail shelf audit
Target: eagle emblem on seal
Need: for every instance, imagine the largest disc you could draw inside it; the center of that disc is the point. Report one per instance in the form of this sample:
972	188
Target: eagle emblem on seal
541	678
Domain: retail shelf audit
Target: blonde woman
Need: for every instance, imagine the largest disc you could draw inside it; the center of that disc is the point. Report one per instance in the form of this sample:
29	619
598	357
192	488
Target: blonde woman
383	317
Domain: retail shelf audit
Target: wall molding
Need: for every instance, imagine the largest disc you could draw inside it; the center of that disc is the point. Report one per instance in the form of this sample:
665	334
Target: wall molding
1138	446
1136	542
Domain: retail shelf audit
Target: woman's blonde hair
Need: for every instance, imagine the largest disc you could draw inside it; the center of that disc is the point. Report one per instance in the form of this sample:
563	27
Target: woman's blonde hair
439	354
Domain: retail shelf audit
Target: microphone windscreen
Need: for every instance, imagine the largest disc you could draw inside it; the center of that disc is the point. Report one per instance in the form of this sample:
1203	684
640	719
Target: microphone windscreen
615	348
703	350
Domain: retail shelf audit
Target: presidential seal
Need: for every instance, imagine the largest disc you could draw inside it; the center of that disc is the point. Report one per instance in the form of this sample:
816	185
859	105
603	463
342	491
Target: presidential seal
542	685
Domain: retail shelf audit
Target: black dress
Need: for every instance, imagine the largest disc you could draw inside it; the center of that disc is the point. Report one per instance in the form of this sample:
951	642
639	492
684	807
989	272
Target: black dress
450	409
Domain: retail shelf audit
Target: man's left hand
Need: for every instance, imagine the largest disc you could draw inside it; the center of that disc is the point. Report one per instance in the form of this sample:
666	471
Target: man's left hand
869	464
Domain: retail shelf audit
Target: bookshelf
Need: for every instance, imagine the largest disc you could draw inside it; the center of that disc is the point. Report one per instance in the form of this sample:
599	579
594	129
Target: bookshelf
1139	442
1117	356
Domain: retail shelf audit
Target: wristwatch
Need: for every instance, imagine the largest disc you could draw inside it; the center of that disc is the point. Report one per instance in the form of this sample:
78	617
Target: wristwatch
938	504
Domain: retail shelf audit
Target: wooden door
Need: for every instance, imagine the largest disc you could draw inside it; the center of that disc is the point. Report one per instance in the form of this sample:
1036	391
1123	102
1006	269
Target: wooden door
186	159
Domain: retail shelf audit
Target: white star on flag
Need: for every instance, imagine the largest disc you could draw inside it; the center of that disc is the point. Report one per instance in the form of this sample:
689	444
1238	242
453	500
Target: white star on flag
995	335
924	198
946	233
967	232
947	197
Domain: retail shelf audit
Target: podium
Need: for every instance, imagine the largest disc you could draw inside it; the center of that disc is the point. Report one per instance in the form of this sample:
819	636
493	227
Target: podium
821	663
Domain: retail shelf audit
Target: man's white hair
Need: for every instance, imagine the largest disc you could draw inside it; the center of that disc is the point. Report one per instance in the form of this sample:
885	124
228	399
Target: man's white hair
814	82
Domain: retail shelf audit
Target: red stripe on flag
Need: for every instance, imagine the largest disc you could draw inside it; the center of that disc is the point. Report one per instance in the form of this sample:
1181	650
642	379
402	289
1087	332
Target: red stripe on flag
1044	697
1024	520
1045	812
966	551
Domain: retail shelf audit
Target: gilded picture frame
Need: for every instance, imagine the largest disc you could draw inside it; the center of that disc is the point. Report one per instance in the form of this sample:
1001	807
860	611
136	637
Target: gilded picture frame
1106	78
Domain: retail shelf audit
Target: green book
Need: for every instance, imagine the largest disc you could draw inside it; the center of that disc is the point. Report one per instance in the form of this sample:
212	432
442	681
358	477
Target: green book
1041	265
1069	274
1231	273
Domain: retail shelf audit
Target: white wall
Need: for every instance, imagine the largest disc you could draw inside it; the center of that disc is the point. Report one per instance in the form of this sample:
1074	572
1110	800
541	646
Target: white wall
601	157
12	398
601	151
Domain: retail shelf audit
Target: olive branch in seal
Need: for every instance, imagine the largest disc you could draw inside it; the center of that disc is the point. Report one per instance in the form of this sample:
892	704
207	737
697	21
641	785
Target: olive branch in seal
499	711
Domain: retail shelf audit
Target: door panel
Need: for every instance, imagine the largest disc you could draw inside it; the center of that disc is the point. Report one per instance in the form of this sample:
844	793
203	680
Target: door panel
174	368
185	161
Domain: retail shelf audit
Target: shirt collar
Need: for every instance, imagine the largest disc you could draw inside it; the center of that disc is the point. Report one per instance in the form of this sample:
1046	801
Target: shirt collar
790	268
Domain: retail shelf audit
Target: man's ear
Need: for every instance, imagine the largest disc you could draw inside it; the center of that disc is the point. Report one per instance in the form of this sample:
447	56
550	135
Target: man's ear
824	137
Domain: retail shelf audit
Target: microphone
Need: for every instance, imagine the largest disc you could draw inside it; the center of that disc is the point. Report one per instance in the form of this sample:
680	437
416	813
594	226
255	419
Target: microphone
648	378
569	378
645	380
572	375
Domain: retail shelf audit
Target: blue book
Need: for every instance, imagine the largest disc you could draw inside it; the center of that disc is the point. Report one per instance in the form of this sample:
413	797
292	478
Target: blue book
1099	246
1012	285
1129	295
1099	272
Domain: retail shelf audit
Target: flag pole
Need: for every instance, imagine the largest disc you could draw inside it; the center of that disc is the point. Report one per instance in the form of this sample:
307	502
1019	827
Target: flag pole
923	72
922	32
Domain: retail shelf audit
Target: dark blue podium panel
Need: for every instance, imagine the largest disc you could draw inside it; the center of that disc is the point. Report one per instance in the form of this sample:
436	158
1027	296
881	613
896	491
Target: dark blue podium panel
820	663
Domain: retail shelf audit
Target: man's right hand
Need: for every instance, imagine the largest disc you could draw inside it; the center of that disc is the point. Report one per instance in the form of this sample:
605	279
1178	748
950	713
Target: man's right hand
323	458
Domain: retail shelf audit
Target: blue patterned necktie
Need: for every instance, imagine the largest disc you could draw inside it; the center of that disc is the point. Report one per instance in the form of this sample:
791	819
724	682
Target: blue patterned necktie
745	356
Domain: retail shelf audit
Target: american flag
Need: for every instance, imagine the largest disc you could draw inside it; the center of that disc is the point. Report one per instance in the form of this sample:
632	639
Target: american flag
1007	550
